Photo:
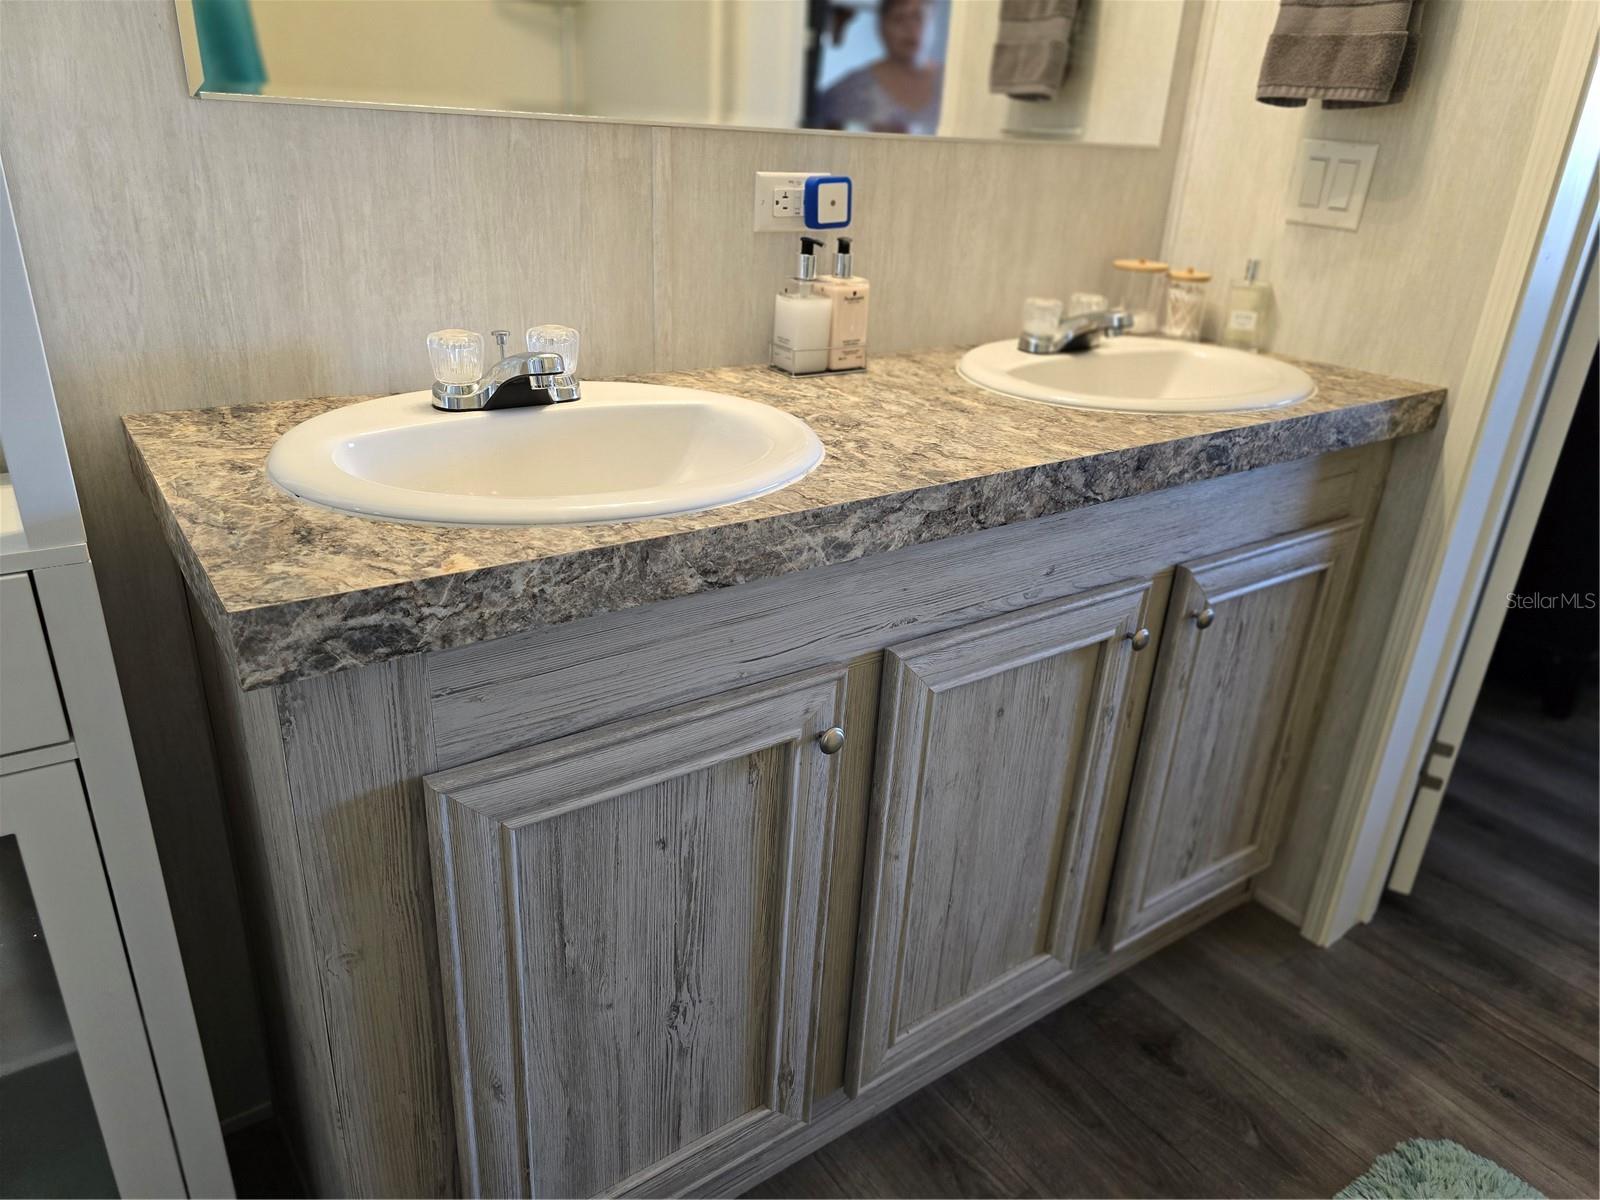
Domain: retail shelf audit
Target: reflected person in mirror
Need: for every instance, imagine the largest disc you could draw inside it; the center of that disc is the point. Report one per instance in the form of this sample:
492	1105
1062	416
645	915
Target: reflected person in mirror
897	94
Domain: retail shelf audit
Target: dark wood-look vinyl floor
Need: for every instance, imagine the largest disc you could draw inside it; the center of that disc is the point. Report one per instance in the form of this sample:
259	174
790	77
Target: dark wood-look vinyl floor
1244	1061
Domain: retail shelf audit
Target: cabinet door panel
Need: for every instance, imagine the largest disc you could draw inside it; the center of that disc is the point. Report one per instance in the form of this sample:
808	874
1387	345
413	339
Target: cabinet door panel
1229	714
996	746
631	919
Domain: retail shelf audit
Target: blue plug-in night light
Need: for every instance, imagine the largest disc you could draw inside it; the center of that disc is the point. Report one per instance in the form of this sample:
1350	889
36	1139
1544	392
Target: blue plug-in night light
827	202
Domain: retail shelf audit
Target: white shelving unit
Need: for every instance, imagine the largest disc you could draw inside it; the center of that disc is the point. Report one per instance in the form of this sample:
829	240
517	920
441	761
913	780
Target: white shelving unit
103	1085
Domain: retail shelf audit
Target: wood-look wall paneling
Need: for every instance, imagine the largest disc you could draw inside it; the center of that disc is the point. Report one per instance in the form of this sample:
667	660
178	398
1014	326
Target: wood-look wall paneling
187	253
1402	294
953	235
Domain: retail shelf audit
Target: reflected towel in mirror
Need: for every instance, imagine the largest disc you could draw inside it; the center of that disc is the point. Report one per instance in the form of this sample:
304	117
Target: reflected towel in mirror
1031	49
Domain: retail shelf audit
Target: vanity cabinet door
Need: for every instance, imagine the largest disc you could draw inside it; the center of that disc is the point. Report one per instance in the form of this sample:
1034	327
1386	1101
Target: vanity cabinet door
630	922
1237	684
997	747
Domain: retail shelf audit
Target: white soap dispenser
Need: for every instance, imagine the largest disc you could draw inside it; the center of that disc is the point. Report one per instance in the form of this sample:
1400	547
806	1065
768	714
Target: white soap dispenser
801	319
847	340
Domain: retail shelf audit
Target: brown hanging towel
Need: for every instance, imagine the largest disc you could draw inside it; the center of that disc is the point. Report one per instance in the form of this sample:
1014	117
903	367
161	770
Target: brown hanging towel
1346	53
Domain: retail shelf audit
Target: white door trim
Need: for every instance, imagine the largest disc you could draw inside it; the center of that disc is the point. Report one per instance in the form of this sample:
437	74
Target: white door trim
1577	353
1531	295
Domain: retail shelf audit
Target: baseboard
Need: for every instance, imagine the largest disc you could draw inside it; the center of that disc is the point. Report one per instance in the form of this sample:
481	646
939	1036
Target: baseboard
1278	908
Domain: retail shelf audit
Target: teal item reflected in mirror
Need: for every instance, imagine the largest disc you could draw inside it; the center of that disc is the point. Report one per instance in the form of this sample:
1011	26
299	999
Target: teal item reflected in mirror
230	56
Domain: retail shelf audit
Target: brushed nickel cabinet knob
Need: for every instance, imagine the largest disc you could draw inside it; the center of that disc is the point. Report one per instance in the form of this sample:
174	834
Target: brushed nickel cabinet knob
1140	638
831	740
1203	618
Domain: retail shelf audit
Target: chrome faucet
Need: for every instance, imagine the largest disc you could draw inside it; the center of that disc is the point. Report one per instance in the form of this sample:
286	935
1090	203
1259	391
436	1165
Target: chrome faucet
1078	333
519	380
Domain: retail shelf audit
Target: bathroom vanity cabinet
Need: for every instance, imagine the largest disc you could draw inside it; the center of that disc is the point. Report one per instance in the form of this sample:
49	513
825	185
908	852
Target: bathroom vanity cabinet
635	920
594	908
647	858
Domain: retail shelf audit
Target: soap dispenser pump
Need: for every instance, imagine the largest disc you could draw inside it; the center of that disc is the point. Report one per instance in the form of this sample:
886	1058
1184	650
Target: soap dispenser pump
801	317
847	338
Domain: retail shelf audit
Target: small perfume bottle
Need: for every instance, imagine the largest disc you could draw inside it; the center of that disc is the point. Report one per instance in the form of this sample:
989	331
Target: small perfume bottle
1246	320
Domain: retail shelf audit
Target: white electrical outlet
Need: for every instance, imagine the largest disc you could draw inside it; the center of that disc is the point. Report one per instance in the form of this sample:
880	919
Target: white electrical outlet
779	202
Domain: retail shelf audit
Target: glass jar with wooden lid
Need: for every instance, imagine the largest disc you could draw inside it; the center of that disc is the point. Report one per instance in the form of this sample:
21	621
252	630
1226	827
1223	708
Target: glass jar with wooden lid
1186	303
1141	283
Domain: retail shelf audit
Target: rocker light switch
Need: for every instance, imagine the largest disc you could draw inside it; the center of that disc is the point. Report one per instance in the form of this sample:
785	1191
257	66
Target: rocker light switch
1330	183
1313	180
1343	187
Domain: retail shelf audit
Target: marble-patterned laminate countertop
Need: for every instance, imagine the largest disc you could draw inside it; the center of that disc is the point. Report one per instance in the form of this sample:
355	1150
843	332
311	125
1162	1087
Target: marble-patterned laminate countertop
913	454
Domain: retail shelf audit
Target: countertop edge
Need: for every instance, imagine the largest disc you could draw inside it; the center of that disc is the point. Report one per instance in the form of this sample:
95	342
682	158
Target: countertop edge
277	644
199	584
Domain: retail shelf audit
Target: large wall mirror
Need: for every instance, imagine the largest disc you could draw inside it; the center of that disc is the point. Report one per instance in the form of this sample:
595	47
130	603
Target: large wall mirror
1095	71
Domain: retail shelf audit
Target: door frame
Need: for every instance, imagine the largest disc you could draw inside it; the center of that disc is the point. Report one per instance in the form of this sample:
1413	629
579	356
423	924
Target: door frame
1532	297
1560	402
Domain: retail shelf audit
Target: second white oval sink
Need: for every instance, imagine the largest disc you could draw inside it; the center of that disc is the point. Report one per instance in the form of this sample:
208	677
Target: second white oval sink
623	452
1140	374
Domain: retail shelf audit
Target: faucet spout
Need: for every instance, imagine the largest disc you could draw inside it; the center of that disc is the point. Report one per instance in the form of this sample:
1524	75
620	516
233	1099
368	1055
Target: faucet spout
516	381
1078	333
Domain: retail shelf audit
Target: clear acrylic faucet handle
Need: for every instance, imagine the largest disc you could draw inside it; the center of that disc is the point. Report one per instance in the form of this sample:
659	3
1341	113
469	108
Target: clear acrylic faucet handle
456	355
556	339
1041	316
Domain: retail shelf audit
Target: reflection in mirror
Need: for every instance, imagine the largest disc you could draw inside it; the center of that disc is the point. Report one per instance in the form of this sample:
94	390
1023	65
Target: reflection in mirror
1086	70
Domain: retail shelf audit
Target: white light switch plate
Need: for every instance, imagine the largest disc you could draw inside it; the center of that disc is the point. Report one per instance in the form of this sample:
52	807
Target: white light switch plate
779	201
1330	183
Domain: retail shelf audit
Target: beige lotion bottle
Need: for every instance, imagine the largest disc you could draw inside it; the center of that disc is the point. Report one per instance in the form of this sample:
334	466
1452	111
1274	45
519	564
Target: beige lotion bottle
802	319
847	340
1246	319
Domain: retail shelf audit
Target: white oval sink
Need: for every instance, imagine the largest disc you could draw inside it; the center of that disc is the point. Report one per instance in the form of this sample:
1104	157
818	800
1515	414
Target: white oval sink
1140	374
623	452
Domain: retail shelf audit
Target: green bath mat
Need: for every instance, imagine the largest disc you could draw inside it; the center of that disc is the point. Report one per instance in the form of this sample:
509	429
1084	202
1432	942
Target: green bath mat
1426	1170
